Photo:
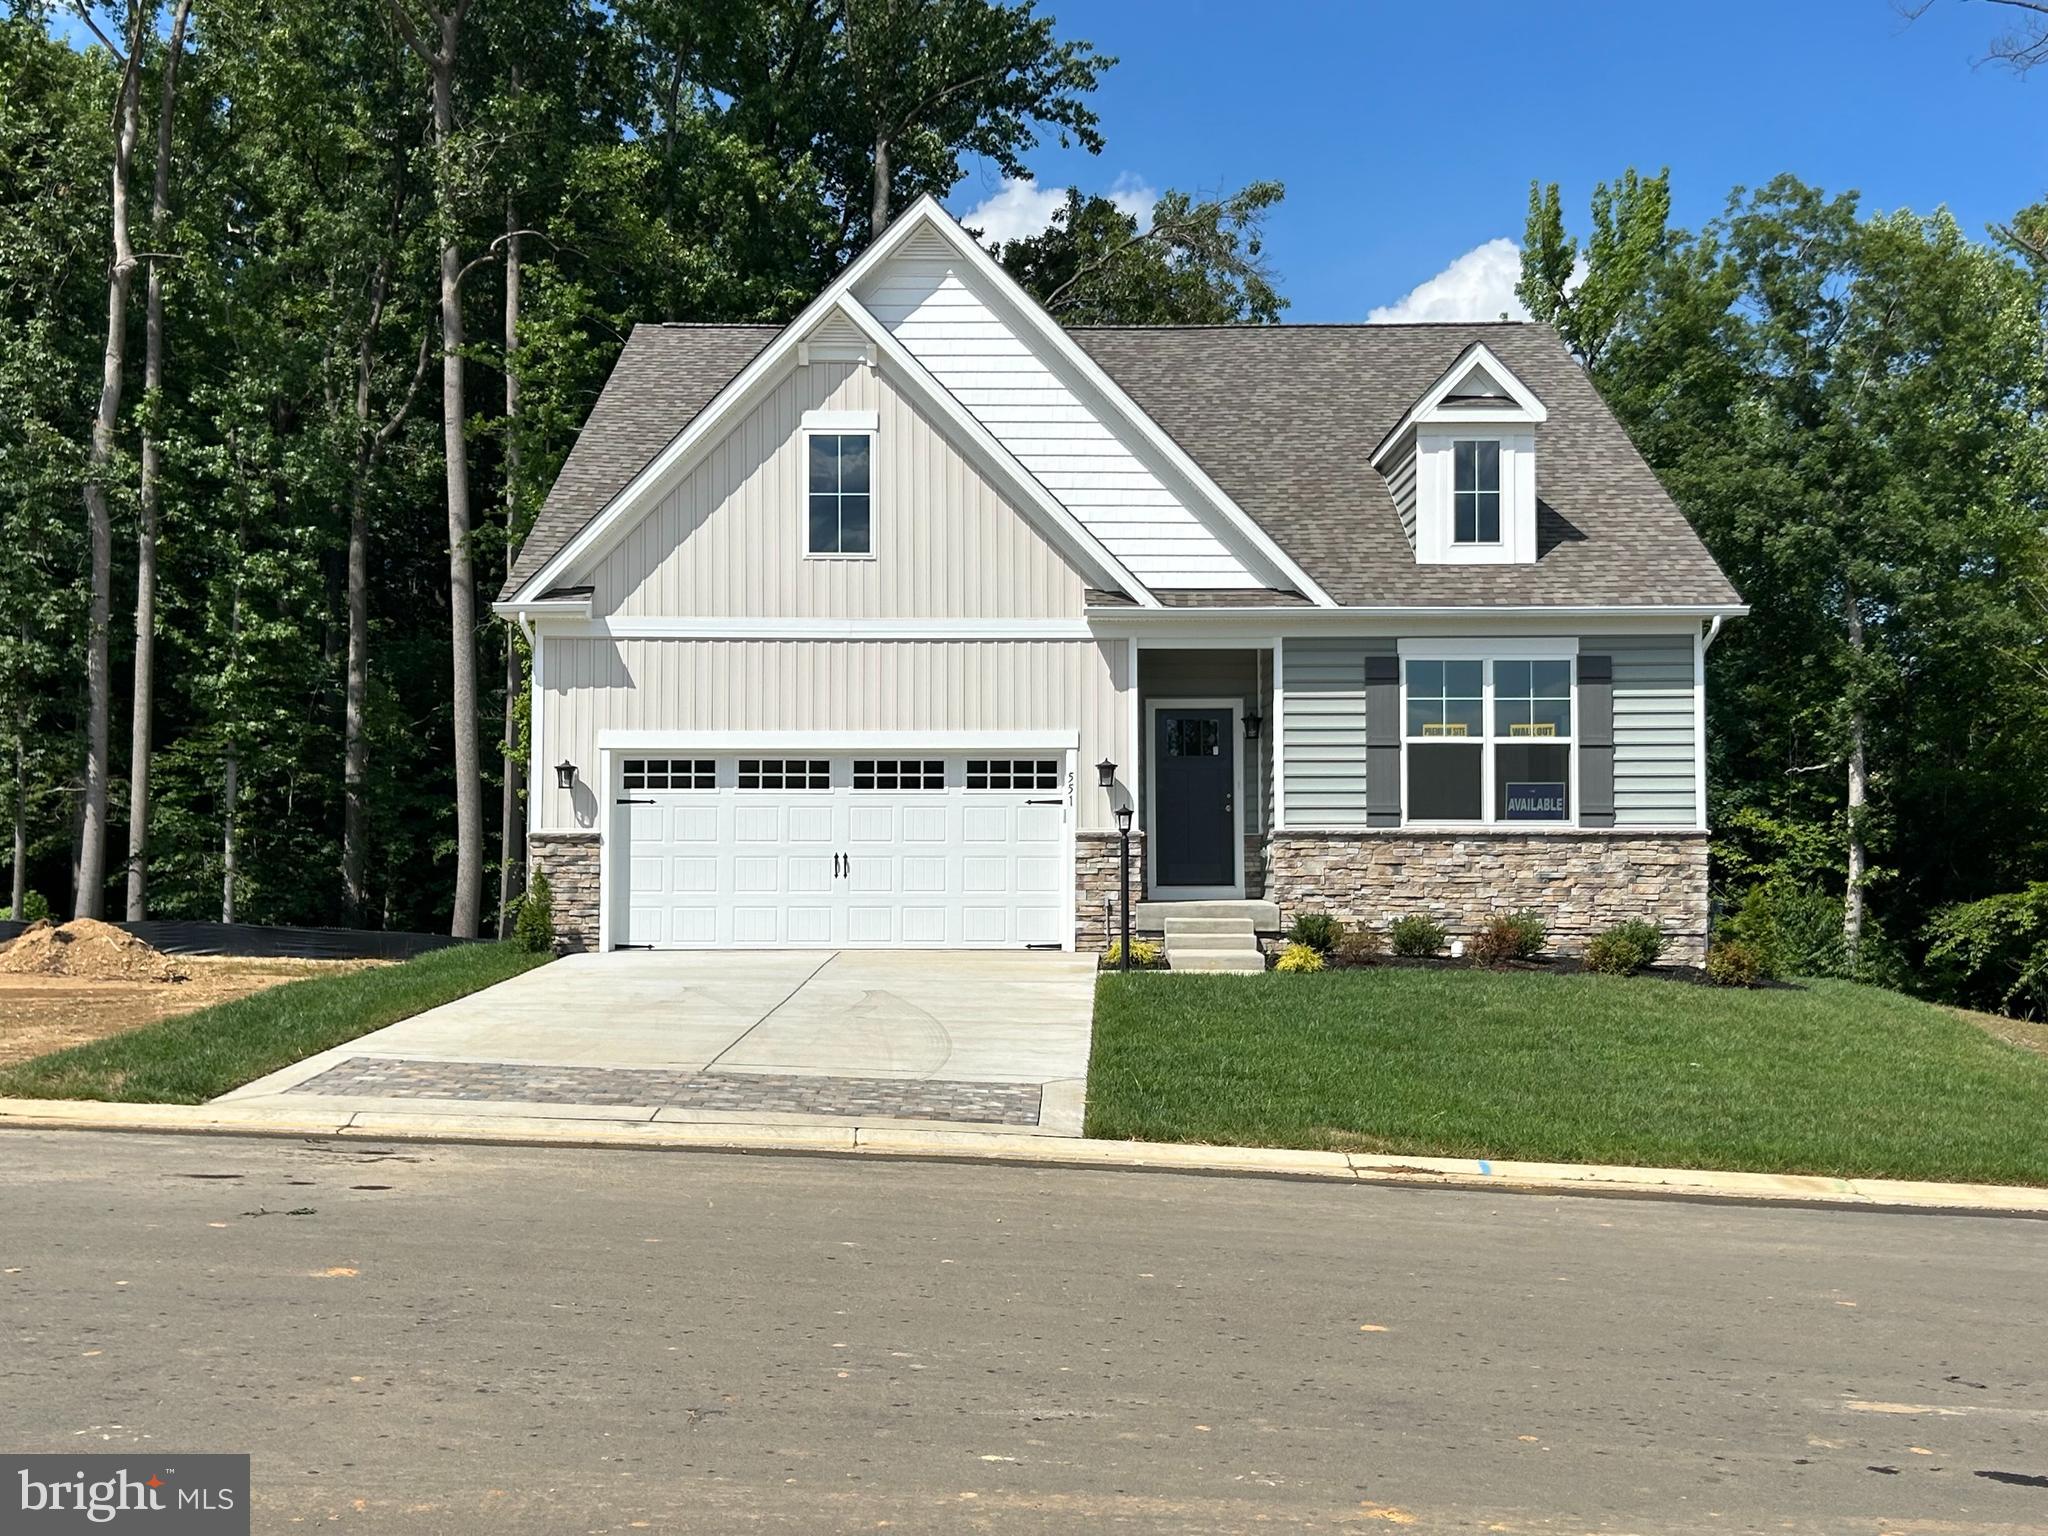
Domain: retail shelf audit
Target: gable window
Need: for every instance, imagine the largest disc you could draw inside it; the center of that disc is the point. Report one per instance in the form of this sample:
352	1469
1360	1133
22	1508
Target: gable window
1475	490
839	518
1488	739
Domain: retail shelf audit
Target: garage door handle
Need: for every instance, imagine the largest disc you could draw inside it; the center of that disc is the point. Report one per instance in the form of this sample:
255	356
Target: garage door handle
1054	801
623	800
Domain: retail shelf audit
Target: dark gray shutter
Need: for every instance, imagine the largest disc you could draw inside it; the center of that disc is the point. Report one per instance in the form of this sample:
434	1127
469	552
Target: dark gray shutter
1596	741
1383	741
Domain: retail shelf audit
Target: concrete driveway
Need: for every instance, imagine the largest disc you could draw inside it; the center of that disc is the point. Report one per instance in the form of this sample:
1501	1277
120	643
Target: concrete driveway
946	1038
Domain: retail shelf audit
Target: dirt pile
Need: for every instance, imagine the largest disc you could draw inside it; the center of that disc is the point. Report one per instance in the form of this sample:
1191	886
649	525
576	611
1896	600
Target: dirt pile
87	949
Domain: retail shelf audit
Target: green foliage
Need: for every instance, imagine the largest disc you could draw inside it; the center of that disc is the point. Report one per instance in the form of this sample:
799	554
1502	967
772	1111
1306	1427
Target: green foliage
1318	930
1732	963
1299	960
35	907
1145	955
1993	953
1591	304
1795	930
533	924
1416	935
1360	946
1509	936
1625	949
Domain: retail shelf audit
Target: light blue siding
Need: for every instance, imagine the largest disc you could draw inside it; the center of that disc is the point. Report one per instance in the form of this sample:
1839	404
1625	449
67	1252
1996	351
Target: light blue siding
1655	729
1323	749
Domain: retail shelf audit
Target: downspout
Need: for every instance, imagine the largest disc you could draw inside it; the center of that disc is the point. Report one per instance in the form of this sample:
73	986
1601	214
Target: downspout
1713	632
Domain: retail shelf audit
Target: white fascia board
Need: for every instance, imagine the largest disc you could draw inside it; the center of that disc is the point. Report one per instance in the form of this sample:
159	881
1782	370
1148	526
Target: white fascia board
536	608
841	741
1526	408
1045	509
617	627
1022	307
703	429
1339	618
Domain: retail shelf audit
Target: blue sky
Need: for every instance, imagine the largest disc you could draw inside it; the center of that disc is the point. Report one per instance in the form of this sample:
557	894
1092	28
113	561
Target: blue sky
1408	133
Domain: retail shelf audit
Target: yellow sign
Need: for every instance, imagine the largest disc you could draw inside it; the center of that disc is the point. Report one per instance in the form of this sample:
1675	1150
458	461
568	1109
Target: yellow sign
1443	728
1531	728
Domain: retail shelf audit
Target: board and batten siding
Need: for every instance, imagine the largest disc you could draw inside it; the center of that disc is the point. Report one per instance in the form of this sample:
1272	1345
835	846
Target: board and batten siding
728	542
1042	419
1655	729
1322	748
590	685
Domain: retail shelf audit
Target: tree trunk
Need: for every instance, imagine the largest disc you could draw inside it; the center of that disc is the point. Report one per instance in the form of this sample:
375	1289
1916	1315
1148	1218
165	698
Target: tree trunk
878	212
469	817
144	702
20	893
89	894
229	788
508	804
1859	789
355	753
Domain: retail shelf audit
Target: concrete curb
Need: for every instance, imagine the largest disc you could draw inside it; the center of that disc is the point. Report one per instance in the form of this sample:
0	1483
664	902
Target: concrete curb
886	1141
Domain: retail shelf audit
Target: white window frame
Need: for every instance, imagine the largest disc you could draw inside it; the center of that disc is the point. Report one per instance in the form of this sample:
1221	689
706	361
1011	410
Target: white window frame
1503	491
1486	653
1436	482
865	424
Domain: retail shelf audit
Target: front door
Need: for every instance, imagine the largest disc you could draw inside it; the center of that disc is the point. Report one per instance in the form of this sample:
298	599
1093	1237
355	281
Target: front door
1193	832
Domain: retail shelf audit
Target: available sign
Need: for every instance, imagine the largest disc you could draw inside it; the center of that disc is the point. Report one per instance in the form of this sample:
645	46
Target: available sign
54	1495
1536	802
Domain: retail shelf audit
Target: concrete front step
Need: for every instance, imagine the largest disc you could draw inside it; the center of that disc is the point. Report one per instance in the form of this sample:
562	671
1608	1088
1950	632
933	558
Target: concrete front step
1216	960
1235	928
1151	916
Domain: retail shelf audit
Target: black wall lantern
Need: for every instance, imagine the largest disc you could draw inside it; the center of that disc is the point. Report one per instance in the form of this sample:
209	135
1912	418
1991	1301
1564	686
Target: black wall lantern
565	774
1105	774
1254	722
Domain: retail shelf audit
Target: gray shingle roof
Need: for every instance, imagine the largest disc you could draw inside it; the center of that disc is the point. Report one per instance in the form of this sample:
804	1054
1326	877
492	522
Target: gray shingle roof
1285	420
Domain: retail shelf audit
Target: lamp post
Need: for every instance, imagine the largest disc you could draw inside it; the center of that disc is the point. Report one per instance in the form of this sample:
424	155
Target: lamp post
1123	826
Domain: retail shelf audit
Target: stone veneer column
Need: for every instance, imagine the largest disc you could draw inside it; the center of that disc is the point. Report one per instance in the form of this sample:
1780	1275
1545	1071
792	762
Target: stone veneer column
569	860
1580	882
1097	862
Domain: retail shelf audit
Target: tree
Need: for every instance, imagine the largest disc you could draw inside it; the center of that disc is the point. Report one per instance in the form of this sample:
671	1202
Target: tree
1591	296
1188	262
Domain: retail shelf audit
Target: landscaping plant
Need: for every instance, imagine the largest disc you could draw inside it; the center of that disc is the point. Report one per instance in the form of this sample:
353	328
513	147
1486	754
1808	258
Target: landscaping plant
1416	936
1625	948
1318	930
1361	946
1509	936
1144	954
1299	959
533	930
1733	963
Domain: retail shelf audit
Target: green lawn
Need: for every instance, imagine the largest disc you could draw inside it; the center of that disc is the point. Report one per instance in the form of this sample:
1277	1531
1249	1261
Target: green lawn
199	1056
1827	1077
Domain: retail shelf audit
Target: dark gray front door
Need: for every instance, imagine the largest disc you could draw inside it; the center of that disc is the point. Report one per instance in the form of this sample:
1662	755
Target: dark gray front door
1195	776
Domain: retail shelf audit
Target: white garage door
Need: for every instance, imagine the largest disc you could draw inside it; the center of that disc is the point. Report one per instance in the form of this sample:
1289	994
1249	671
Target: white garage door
926	852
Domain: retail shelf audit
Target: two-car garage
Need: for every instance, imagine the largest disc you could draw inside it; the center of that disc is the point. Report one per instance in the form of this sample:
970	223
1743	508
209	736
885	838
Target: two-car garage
804	846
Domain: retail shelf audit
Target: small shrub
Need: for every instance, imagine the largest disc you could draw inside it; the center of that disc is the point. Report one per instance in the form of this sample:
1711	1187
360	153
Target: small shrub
1993	953
533	929
1299	959
1361	946
35	907
1732	963
1509	936
1795	931
1625	948
1318	930
1416	935
1144	955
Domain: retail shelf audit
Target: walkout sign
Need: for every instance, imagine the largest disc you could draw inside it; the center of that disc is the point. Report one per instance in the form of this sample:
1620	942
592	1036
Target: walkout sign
144	1495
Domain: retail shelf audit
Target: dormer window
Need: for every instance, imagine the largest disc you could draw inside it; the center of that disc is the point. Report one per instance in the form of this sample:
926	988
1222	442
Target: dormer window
1475	493
1461	466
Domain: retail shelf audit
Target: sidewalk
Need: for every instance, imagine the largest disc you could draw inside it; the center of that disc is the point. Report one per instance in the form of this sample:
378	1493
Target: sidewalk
890	1140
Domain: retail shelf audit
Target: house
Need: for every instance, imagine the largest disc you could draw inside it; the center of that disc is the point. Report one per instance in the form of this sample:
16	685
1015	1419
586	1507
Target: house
839	628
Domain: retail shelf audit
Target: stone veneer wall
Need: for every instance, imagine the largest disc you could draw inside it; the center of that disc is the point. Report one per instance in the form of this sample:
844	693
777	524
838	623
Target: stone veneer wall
1097	876
569	860
1581	882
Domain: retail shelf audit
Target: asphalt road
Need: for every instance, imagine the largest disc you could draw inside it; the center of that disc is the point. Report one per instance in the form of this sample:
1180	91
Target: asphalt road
455	1339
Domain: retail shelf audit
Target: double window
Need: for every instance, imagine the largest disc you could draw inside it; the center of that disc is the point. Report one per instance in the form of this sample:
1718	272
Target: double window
899	773
1488	740
1475	491
785	773
841	501
669	773
1013	773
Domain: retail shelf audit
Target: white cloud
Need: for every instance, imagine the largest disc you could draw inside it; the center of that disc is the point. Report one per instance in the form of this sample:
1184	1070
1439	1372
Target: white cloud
1479	285
1021	208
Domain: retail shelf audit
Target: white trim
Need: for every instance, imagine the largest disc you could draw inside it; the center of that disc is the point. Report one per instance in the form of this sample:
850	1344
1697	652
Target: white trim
607	817
874	492
1326	618
1506	648
1279	727
851	423
657	628
1235	890
1134	745
541	608
536	794
1699	727
1051	336
969	433
814	743
1527	408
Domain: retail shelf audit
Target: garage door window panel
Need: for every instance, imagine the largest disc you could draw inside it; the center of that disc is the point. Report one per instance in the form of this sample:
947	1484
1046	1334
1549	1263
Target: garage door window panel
1012	773
785	773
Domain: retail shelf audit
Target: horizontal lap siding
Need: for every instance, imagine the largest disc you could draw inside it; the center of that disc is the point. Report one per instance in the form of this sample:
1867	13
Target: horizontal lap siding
729	541
1323	731
1167	674
594	685
1654	729
1034	413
